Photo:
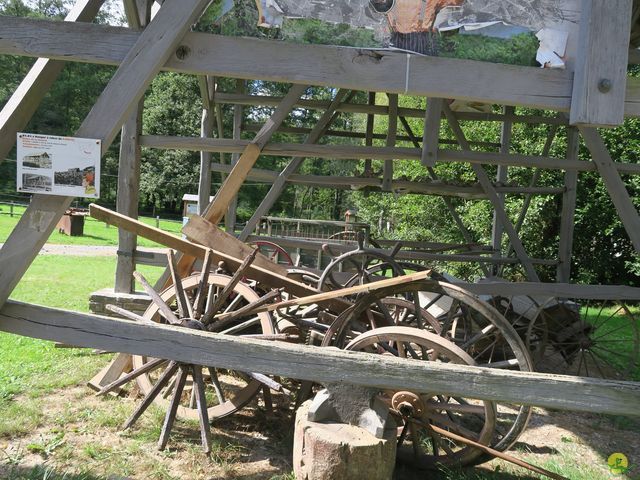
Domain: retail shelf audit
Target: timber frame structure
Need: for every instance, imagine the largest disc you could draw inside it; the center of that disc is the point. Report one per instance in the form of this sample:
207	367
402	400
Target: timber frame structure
597	94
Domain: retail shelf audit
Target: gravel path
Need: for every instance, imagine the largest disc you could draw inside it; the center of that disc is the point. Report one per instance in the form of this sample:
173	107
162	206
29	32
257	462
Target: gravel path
83	250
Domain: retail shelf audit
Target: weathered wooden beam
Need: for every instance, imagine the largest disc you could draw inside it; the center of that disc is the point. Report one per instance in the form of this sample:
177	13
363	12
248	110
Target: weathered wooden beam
353	152
25	100
321	364
115	104
127	198
501	178
280	180
207	123
615	186
567	217
238	112
599	84
402	186
431	134
392	131
352	68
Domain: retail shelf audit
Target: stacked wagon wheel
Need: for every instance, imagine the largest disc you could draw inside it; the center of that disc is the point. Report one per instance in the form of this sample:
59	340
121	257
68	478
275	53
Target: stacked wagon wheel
204	301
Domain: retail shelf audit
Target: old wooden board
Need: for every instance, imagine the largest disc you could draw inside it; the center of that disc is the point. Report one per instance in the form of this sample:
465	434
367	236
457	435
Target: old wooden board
342	67
320	364
555	290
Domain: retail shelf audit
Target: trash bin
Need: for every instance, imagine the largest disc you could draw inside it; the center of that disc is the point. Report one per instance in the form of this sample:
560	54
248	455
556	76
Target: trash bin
72	222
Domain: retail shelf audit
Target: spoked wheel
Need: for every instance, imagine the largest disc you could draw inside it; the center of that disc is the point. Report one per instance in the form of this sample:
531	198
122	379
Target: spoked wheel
471	324
226	391
357	268
527	316
594	339
417	413
274	252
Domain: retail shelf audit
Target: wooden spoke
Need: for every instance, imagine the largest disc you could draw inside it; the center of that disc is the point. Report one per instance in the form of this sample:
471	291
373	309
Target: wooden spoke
153	393
201	402
203	287
184	307
173	407
165	310
213	375
147	367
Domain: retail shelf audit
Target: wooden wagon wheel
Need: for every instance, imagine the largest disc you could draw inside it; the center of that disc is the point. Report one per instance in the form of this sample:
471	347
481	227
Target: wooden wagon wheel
592	338
227	391
273	252
419	445
471	324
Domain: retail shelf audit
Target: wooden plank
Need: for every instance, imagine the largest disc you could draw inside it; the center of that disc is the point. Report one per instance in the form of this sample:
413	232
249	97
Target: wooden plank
279	182
501	178
392	131
127	198
567	217
599	84
25	100
154	45
205	234
321	364
341	67
232	246
431	134
353	152
340	293
230	217
229	189
615	186
483	178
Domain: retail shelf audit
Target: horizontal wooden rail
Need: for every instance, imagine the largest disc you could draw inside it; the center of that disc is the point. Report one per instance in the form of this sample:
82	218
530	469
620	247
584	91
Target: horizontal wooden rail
425	187
343	67
355	152
320	364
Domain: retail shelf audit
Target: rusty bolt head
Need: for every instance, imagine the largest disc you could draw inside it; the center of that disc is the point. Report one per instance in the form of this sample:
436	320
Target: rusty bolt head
182	52
605	85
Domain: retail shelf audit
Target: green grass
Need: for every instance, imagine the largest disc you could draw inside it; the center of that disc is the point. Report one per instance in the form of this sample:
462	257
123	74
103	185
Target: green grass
95	232
31	368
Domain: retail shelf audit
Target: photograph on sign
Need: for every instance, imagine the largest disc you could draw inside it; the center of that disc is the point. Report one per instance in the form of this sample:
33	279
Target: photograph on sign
55	165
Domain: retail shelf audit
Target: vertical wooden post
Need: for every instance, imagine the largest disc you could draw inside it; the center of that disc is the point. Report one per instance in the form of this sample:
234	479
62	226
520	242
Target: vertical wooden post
387	177
206	130
129	175
600	79
503	173
230	217
21	106
431	134
120	97
568	210
368	141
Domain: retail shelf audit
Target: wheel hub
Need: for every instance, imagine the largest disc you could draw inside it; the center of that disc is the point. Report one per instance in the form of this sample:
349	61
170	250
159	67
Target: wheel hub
408	404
